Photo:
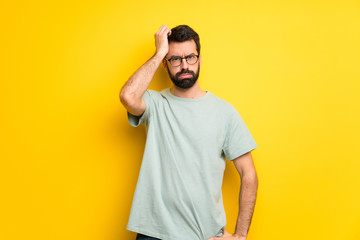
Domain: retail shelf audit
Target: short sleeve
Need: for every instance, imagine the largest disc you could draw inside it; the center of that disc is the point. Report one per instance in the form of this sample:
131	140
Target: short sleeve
238	139
144	118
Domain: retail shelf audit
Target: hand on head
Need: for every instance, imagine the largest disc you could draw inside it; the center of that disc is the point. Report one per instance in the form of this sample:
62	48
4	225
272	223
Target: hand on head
161	40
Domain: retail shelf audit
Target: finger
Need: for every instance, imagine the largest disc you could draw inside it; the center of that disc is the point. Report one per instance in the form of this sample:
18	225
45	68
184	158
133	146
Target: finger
165	26
165	29
159	33
164	33
162	29
167	33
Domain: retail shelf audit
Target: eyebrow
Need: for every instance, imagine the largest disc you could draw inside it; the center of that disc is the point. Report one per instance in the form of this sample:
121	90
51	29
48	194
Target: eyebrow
184	56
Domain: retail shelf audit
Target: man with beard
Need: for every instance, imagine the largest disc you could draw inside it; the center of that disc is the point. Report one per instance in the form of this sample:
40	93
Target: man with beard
189	133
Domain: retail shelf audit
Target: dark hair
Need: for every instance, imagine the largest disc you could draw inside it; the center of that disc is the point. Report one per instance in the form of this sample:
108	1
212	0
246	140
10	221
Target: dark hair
184	33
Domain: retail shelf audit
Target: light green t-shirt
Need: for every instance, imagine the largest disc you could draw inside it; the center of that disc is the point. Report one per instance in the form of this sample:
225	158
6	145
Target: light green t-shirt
178	194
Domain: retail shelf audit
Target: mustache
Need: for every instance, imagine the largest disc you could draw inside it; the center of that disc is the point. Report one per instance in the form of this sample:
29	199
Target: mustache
185	71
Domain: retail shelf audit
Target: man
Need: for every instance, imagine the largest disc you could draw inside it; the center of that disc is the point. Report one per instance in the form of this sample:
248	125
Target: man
189	133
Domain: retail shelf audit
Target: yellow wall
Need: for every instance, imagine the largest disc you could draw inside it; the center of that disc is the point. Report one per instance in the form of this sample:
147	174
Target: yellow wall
70	160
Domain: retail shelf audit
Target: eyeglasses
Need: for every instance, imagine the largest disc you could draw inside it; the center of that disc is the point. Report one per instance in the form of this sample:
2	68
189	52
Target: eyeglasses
176	60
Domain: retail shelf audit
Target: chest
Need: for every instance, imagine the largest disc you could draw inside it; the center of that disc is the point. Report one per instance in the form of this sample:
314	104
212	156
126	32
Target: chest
203	125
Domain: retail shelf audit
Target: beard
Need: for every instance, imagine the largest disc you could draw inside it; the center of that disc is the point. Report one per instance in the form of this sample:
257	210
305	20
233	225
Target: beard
185	82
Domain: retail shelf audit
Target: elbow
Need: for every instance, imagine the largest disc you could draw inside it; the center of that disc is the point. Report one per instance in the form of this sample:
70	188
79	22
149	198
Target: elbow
251	178
129	102
256	180
125	99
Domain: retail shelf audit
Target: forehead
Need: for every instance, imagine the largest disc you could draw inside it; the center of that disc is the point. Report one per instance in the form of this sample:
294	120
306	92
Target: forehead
182	48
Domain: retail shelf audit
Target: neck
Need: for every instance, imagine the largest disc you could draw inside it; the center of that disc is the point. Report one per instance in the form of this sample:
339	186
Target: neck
193	92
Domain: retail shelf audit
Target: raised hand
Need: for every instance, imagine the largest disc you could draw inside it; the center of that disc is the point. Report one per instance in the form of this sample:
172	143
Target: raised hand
161	40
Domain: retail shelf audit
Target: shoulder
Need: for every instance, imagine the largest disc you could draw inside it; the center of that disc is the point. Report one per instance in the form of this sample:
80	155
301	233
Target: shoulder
225	106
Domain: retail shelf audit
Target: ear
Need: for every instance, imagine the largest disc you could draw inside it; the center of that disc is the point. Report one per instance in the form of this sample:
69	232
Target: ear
199	60
164	62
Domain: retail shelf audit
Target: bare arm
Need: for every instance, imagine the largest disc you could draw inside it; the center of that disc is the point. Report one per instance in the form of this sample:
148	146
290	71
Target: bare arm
133	90
248	190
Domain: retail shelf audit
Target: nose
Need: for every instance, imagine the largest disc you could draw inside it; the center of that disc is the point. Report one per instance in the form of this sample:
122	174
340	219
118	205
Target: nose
184	64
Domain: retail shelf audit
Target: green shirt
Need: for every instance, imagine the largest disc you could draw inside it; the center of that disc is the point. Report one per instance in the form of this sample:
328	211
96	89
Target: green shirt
178	194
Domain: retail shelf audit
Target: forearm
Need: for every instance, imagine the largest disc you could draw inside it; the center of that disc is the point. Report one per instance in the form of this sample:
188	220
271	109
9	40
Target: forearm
247	199
133	90
137	84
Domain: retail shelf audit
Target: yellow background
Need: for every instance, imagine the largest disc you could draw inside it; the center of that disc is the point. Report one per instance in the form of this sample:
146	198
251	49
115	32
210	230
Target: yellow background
70	160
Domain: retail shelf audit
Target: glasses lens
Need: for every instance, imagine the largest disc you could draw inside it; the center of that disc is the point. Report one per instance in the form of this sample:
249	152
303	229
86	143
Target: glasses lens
192	59
176	61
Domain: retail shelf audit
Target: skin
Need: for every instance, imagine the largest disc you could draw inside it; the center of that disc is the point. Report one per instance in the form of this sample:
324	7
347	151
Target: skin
131	97
248	190
183	49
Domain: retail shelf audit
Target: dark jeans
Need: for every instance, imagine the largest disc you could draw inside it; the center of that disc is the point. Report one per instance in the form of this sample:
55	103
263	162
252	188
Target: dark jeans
140	236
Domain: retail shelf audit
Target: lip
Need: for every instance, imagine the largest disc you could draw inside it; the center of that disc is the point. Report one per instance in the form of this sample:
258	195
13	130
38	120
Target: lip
185	75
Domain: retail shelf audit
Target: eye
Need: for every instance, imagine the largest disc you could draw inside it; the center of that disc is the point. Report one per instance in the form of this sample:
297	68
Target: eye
190	57
175	59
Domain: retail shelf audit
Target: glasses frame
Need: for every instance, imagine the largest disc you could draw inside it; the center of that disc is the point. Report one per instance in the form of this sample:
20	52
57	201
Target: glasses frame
186	57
